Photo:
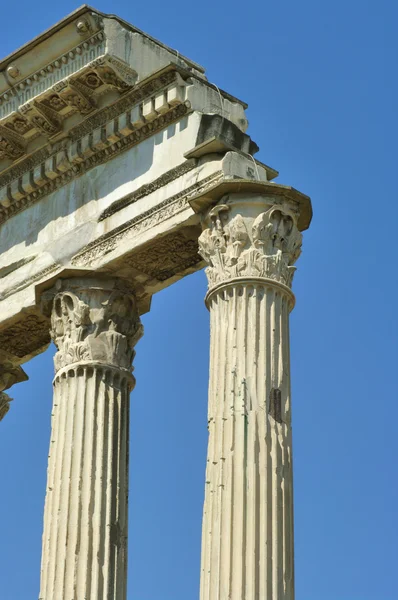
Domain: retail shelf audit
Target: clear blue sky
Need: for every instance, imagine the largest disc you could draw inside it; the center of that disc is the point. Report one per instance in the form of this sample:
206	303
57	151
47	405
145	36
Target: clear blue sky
320	79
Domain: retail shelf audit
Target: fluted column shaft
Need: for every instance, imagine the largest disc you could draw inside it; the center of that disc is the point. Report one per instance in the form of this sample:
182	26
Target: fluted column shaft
95	326
250	244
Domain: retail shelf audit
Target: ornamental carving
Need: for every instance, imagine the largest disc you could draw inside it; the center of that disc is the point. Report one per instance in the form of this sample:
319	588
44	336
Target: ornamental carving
25	337
4	404
12	145
41	118
76	96
240	246
9	375
171	255
93	324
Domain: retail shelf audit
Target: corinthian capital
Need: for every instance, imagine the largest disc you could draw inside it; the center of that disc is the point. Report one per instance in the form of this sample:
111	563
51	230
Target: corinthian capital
94	321
251	236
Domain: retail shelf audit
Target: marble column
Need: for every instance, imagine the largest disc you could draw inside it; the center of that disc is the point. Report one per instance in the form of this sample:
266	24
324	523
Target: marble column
94	325
250	244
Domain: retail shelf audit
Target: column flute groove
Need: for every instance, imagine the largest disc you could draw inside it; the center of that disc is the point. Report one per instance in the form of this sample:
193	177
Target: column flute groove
95	326
250	244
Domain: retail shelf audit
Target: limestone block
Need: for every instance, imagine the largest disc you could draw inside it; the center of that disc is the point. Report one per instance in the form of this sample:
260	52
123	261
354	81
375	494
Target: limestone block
39	176
136	116
161	104
62	162
98	140
125	125
175	95
50	168
75	153
4	198
148	110
15	190
111	132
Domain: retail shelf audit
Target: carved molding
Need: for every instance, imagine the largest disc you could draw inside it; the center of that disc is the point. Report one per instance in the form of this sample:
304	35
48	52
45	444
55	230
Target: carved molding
42	118
149	188
265	245
159	213
4	404
75	95
101	117
71	61
94	323
12	145
45	114
50	270
9	375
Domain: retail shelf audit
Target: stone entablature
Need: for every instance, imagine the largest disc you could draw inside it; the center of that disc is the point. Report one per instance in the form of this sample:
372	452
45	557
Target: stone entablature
143	110
112	130
120	188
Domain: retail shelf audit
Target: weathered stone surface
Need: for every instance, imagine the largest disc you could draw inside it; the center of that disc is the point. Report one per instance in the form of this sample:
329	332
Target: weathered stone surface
10	374
95	326
250	244
101	127
114	153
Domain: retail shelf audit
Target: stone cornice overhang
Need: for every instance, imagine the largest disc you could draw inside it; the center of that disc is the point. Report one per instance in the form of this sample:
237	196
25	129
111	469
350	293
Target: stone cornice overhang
42	37
57	163
214	193
79	12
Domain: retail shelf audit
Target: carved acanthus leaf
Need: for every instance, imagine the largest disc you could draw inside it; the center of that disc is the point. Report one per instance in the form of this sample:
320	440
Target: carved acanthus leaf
266	246
95	324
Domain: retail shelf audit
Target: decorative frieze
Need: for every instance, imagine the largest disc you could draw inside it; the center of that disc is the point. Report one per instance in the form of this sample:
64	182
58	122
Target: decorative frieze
26	337
167	256
265	246
150	218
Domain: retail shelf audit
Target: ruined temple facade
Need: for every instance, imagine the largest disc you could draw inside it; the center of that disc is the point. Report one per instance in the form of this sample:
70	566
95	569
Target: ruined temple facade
122	170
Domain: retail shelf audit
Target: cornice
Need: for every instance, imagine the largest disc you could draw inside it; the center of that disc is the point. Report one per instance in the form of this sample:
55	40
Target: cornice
83	10
67	63
42	37
99	138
